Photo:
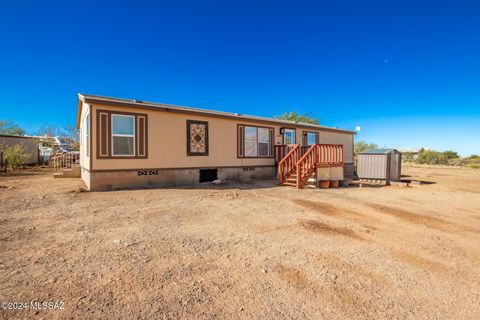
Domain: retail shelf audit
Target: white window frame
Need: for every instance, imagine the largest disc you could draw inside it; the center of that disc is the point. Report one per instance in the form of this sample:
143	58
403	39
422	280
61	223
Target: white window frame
250	141
257	142
267	141
314	138
123	135
294	135
87	134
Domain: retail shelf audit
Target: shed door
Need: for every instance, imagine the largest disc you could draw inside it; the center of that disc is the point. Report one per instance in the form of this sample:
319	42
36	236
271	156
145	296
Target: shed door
395	172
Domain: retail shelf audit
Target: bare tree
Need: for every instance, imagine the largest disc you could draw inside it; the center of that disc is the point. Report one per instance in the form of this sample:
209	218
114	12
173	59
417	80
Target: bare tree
48	130
10	128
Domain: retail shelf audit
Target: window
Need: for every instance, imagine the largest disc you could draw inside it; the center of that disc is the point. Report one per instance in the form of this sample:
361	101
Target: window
289	136
257	142
263	142
87	134
123	135
311	138
250	142
197	138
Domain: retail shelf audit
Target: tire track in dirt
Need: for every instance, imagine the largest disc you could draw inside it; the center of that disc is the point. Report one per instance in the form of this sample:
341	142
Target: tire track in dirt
354	270
431	222
320	227
337	212
430	265
420	262
330	289
330	210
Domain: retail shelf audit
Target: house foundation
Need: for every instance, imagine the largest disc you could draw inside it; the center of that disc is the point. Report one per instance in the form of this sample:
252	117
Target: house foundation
144	178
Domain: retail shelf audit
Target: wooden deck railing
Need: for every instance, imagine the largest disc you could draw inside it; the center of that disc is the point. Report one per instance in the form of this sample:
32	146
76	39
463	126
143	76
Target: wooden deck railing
62	161
304	149
318	155
330	154
306	165
287	164
281	150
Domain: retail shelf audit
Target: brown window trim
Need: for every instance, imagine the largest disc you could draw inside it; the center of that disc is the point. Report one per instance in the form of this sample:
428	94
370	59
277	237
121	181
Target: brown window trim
189	153
108	131
283	135
242	141
304	137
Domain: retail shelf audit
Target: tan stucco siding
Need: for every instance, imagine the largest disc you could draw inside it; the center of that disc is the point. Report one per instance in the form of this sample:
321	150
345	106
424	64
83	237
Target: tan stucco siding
344	139
84	158
167	142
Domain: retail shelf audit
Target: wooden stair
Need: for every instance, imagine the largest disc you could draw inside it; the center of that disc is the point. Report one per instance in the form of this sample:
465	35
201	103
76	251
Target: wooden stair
311	183
73	172
66	165
299	171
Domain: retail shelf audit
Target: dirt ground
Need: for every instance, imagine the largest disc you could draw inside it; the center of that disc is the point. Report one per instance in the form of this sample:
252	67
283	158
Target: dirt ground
246	251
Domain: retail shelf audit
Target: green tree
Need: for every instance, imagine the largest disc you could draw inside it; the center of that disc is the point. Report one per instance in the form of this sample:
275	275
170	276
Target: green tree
10	128
16	156
298	117
450	155
362	146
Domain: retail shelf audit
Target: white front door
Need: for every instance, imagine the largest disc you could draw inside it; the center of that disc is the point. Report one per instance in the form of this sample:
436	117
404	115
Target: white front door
289	136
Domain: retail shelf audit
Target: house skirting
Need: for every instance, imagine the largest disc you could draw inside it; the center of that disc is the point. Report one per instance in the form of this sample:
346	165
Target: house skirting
348	170
103	180
143	178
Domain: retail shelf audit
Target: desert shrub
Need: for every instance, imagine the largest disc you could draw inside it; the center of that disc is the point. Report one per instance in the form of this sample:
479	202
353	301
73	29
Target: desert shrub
458	162
428	156
16	156
473	157
408	157
472	161
450	155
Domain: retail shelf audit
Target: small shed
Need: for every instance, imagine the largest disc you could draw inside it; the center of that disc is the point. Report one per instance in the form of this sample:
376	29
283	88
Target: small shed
380	164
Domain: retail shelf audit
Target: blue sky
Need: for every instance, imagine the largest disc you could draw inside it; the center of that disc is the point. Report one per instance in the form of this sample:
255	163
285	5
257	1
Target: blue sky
407	72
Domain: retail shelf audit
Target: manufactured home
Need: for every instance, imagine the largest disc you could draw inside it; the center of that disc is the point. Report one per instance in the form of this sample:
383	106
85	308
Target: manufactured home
131	143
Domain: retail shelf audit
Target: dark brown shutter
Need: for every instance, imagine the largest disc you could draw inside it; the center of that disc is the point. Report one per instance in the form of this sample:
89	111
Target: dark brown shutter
141	136
240	143
103	134
317	137
272	141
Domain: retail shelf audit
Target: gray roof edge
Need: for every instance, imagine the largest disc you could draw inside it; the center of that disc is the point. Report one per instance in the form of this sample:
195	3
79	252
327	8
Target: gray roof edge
98	99
378	151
